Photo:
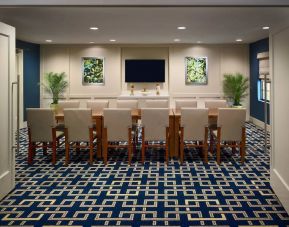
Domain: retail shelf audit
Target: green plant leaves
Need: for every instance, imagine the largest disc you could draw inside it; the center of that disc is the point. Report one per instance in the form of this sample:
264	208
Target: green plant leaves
93	70
196	70
235	87
55	84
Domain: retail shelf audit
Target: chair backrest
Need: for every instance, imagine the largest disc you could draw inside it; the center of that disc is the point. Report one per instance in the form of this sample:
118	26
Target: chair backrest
186	103
156	104
194	122
117	121
78	121
231	121
97	104
40	122
215	104
155	121
67	104
131	104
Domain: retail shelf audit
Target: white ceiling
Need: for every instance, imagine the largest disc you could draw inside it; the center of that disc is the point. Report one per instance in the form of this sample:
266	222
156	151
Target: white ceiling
143	25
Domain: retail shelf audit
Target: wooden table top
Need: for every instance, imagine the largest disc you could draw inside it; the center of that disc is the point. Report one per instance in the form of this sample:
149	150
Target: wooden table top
135	113
212	112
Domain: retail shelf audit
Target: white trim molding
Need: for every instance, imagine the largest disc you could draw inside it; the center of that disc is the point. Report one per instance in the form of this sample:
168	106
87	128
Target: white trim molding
259	123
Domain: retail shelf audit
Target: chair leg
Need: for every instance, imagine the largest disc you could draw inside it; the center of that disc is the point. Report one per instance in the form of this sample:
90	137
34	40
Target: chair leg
129	146
243	145
211	142
143	147
234	148
90	146
182	146
53	153
77	144
33	149
54	142
182	152
143	153
44	148
104	145
205	146
167	145
205	152
30	153
219	146
67	159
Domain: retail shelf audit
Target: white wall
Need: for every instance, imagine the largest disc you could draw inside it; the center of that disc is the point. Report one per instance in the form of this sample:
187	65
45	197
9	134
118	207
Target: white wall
67	58
279	166
221	59
145	53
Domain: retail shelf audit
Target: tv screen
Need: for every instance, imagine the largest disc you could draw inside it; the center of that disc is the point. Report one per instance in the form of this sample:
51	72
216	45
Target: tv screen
144	71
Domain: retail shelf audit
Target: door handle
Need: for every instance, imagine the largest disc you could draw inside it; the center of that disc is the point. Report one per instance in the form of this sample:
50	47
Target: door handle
16	83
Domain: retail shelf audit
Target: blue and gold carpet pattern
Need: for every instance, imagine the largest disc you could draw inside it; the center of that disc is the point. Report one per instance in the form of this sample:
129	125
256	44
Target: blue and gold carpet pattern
153	194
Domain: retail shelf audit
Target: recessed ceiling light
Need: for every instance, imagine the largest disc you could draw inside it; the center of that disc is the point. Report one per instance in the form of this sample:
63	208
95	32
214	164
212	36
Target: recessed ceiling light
177	40
93	28
182	28
239	40
48	40
112	40
91	42
265	27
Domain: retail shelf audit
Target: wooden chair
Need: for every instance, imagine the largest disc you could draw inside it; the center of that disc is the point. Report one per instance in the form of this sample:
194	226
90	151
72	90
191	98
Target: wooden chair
156	103
64	104
78	128
186	104
97	104
194	128
117	128
214	105
131	104
67	104
42	132
155	127
231	131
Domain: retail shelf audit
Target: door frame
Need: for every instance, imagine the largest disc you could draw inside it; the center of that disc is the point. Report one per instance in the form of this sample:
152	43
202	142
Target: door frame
7	177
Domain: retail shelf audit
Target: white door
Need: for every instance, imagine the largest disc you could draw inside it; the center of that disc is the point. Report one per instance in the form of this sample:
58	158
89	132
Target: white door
279	166
7	76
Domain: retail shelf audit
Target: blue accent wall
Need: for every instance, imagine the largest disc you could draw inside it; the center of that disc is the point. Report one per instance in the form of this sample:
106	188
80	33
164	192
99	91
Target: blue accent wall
31	74
257	106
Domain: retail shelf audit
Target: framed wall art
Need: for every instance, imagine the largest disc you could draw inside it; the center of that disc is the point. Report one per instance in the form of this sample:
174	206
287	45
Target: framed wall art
92	71
196	70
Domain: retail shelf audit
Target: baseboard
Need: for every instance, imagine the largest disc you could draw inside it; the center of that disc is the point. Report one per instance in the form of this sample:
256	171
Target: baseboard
280	188
260	123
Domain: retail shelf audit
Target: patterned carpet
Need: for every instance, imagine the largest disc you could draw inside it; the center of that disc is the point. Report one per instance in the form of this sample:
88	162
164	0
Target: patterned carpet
151	195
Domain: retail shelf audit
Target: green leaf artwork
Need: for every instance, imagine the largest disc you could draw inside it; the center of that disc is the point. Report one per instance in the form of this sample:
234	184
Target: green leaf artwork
92	70
196	71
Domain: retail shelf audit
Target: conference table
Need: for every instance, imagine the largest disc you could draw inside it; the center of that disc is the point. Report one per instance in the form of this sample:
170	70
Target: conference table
174	125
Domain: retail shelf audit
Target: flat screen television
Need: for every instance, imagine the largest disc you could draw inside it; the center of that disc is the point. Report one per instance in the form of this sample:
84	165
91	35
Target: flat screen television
144	70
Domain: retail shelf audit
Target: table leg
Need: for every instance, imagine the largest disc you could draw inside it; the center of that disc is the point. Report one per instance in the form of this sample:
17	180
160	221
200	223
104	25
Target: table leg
177	136
99	127
172	136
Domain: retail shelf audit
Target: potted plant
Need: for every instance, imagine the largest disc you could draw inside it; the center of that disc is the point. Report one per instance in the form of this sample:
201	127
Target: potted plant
235	88
55	84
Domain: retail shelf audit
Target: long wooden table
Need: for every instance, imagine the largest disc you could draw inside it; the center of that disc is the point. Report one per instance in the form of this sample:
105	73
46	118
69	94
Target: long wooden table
97	117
